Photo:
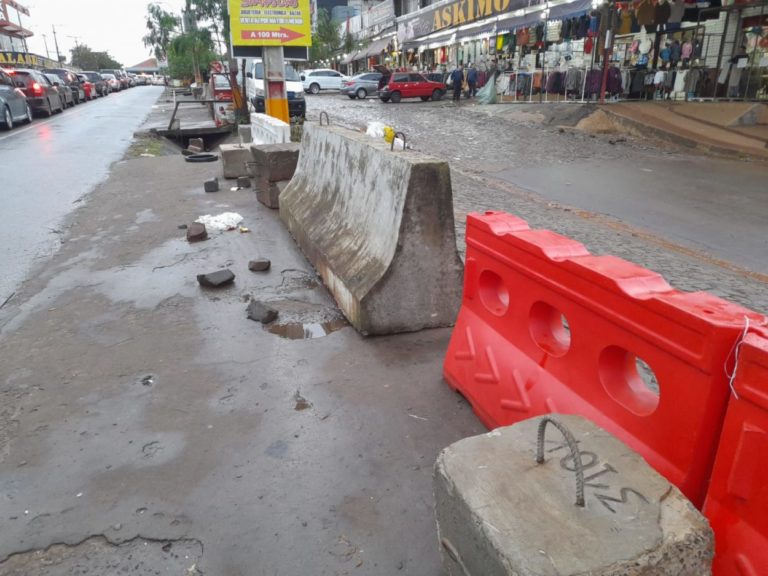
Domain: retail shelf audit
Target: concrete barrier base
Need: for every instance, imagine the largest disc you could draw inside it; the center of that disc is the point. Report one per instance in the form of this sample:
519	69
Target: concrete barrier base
268	193
272	166
501	513
378	227
234	158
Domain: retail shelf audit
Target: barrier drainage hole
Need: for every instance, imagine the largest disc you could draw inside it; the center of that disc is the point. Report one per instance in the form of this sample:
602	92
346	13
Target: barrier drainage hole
629	380
493	293
550	329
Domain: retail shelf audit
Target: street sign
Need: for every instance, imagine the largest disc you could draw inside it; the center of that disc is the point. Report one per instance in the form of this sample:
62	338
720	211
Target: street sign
270	22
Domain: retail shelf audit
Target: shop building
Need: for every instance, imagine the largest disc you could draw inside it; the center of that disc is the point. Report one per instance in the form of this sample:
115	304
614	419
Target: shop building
578	49
13	34
375	31
13	38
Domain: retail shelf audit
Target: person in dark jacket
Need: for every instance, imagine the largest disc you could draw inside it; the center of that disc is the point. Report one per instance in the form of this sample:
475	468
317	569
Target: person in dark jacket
472	80
457	80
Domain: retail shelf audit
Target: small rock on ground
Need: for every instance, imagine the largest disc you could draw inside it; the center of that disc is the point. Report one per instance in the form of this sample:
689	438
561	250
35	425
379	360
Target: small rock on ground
261	312
216	279
212	185
243	182
196	232
259	265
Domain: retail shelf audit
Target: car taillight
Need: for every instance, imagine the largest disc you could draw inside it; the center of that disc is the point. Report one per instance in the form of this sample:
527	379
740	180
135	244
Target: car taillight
36	88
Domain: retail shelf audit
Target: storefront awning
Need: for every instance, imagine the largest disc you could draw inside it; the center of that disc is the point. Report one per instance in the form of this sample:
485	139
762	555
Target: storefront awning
555	13
477	31
12	29
352	56
376	47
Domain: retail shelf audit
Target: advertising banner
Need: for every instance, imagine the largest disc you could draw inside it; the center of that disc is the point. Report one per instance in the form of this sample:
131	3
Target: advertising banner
270	23
454	14
26	60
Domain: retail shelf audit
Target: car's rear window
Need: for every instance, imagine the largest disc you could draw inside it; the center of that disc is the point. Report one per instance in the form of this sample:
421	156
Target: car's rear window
400	78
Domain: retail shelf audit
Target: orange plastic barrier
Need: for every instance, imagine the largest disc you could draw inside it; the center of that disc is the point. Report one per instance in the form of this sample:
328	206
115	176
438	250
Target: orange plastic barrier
547	327
737	501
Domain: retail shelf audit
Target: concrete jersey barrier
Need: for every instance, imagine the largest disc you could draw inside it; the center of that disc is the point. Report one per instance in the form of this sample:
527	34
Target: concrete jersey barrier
268	130
378	226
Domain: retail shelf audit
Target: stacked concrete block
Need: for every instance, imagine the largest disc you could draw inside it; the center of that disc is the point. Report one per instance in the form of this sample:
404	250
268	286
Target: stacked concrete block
234	157
272	167
501	513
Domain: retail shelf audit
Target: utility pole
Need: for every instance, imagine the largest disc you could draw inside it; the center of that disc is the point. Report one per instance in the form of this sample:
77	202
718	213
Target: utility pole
56	43
23	38
45	41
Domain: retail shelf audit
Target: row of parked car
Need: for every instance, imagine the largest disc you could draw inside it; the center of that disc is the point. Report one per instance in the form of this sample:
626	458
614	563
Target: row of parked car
387	85
25	92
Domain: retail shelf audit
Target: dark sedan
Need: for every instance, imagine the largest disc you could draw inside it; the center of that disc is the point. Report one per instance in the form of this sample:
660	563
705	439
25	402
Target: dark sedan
13	103
71	80
102	89
67	94
42	95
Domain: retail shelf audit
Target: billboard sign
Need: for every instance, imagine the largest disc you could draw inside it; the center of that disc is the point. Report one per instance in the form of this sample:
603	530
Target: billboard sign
270	23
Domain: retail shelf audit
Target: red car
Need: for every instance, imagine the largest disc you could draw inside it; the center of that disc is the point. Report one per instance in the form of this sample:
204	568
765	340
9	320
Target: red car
88	86
398	85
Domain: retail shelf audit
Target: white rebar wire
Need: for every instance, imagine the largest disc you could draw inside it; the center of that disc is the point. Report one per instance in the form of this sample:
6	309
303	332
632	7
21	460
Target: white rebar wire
735	353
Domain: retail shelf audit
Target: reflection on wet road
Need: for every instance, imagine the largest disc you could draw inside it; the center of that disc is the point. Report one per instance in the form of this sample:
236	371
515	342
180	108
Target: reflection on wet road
48	166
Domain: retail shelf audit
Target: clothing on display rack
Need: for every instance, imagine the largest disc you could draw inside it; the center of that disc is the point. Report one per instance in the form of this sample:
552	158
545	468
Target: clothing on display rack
661	13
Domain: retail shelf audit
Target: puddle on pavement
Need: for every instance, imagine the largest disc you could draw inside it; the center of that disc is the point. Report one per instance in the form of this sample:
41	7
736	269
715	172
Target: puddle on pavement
308	330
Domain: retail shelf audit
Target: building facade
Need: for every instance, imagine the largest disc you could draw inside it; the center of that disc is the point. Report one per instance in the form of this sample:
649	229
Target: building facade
653	49
13	33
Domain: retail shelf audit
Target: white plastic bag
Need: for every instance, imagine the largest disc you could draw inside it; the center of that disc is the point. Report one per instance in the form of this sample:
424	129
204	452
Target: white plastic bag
221	222
375	129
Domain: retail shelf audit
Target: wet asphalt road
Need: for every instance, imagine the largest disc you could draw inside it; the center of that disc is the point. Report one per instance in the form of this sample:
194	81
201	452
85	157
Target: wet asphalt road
52	163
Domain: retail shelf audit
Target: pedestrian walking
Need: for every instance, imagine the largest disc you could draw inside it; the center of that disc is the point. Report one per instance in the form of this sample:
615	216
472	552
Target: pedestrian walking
472	80
457	80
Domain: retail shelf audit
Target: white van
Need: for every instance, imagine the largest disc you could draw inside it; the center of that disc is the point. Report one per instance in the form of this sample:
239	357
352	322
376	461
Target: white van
297	106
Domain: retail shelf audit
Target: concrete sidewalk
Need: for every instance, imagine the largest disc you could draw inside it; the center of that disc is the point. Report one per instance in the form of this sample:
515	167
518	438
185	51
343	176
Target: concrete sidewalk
148	424
712	127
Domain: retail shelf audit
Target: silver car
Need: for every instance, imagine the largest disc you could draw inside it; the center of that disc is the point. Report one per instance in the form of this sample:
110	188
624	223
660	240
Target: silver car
361	85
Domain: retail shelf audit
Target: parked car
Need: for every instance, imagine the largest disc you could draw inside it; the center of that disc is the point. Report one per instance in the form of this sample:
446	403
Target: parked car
322	79
118	74
67	95
13	102
221	88
70	79
88	87
112	82
297	105
102	89
42	95
399	85
362	85
436	76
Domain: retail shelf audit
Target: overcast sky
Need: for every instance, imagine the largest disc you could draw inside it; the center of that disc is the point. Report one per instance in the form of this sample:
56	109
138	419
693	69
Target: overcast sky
116	26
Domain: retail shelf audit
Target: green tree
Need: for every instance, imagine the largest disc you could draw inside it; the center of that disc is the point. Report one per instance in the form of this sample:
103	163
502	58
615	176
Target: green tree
161	26
217	12
326	39
190	54
348	44
86	59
